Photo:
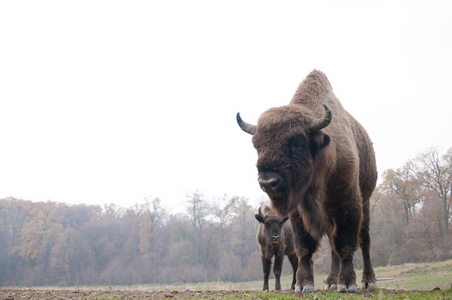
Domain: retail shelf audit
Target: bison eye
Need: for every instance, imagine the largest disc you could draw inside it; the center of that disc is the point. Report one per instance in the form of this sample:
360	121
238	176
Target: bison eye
267	225
296	145
296	149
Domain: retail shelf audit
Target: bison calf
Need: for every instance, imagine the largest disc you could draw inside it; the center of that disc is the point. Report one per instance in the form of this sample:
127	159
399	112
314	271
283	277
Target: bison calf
275	238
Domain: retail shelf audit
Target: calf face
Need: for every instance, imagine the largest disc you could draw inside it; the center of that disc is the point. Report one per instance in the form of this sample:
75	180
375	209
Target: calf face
272	226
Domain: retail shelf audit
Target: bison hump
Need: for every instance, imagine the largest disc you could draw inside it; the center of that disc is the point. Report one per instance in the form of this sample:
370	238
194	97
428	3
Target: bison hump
312	90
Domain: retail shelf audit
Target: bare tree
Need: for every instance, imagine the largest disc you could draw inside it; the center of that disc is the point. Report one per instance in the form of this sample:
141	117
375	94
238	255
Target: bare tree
401	183
150	219
433	172
223	212
198	210
387	229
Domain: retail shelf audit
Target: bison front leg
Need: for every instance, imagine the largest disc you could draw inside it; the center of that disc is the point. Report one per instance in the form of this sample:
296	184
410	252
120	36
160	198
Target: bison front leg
348	221
347	275
305	246
346	245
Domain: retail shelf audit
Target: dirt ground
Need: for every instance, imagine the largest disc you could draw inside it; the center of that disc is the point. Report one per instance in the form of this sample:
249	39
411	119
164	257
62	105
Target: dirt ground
8	294
110	294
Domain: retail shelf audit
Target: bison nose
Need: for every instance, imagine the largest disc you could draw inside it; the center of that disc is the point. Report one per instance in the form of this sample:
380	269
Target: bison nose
275	238
270	182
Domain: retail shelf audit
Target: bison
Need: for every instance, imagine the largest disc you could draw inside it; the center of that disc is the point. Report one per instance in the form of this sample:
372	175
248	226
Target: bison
317	165
275	238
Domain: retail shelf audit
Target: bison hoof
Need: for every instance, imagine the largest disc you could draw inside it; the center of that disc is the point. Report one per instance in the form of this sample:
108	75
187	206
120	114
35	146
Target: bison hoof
368	285
309	288
342	288
330	287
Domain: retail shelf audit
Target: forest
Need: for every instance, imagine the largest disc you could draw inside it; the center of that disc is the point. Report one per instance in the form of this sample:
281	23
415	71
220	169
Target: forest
51	243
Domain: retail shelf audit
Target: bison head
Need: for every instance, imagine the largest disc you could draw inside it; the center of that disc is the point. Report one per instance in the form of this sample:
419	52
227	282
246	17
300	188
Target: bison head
272	226
287	140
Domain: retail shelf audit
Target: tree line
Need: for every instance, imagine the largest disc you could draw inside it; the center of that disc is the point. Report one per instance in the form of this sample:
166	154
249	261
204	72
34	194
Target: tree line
50	243
412	212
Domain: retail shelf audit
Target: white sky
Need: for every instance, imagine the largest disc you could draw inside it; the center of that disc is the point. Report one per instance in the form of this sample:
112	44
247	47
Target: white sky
113	101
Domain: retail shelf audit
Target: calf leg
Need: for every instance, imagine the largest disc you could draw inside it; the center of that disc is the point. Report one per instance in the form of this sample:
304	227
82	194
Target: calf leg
277	267
305	246
293	259
266	265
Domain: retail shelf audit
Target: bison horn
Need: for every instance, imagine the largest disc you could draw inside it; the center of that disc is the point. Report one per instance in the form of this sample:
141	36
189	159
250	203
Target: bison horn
260	213
320	123
248	128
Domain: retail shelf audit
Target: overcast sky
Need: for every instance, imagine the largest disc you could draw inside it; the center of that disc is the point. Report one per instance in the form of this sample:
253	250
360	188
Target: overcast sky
114	101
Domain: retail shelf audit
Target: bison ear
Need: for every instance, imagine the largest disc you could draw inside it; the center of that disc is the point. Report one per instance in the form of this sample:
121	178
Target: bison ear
259	218
285	219
318	140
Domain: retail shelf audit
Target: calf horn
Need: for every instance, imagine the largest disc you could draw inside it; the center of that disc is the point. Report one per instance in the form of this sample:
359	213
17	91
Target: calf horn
320	123
248	128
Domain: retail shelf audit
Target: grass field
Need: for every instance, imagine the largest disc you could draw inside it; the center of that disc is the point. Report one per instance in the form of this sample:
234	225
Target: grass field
420	276
409	281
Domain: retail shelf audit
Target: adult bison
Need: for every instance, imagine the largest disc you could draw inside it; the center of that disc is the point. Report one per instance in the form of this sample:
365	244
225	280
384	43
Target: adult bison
317	165
275	238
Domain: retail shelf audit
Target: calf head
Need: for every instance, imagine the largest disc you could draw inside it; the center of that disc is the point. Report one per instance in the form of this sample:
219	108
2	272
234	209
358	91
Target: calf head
287	140
272	226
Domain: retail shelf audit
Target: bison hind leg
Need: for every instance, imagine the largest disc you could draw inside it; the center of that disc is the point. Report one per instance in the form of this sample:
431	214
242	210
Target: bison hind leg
331	280
330	286
368	285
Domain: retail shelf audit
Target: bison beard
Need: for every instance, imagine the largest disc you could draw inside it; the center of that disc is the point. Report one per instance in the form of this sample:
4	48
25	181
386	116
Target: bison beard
317	165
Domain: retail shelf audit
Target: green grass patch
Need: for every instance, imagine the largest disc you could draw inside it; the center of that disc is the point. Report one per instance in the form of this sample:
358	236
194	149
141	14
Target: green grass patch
378	294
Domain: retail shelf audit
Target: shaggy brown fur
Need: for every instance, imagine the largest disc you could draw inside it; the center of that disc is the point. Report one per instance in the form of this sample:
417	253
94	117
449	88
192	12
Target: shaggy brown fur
322	179
275	238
